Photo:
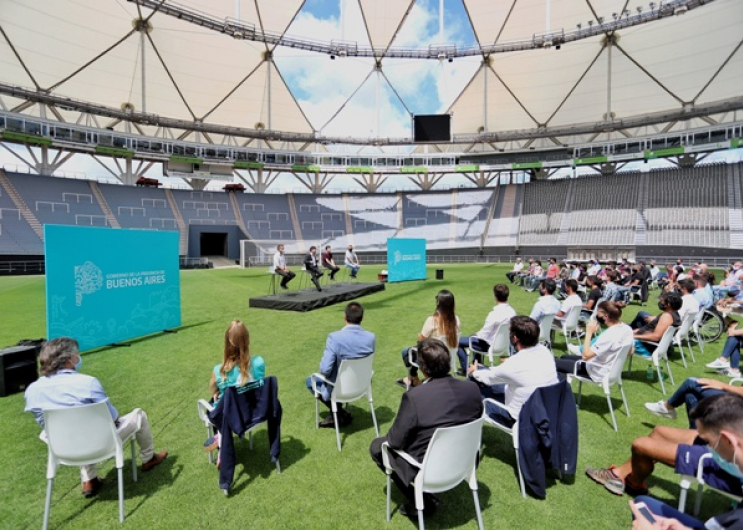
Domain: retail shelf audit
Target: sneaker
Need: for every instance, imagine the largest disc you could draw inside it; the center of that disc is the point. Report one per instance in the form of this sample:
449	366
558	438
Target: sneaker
575	350
634	491
717	363
607	478
730	372
659	409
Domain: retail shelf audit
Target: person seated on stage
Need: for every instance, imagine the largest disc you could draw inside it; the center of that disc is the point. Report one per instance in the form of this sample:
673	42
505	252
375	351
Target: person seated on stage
599	352
280	268
312	268
517	268
352	261
572	300
546	304
690	393
517	377
443	325
719	421
329	263
237	369
501	312
442	401
651	329
351	342
62	385
677	448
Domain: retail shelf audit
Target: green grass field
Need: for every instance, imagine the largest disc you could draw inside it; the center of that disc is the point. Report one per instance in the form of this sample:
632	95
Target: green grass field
165	374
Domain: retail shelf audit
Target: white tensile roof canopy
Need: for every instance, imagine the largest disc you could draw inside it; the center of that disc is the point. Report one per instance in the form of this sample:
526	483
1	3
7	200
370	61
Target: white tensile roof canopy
497	67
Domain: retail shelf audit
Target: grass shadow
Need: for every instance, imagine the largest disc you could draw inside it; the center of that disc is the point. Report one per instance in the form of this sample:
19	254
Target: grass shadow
145	338
596	404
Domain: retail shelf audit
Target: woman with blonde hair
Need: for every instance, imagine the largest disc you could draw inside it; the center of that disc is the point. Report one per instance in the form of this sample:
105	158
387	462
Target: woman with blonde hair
237	368
443	325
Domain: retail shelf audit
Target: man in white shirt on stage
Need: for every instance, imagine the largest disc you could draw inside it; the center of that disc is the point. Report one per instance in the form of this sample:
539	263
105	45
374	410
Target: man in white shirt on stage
352	261
280	268
517	377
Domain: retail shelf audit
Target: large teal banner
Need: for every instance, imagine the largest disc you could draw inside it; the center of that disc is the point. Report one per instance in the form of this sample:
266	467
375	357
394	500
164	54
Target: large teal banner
106	285
406	259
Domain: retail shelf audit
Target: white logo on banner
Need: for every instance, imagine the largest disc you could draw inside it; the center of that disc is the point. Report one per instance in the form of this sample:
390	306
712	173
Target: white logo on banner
398	257
88	279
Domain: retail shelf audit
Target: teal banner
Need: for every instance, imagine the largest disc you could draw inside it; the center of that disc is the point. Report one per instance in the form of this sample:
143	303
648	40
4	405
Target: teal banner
406	259
106	285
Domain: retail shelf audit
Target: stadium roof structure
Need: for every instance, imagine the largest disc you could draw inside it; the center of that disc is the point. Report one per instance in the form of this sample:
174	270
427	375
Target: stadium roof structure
518	74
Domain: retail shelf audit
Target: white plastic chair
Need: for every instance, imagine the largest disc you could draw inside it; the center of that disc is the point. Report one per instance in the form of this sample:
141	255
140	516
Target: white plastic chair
569	324
450	459
687	480
453	358
613	377
204	408
512	431
545	330
500	347
84	435
660	353
683	335
695	328
354	381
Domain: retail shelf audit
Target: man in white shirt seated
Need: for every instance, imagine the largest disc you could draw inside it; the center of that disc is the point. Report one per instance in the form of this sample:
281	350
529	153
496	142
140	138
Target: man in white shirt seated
501	312
517	268
546	304
280	268
572	300
352	261
689	303
654	270
598	352
594	269
515	380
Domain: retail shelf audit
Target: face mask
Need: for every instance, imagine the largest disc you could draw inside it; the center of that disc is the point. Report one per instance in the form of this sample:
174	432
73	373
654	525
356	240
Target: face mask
79	363
728	467
601	320
661	306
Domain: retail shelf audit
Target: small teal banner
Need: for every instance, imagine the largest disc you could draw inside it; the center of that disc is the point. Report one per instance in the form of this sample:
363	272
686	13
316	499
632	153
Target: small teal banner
106	285
406	259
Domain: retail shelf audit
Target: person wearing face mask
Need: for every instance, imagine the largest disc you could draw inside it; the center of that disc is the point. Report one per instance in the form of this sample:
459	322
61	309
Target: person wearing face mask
599	352
732	279
649	329
515	380
62	385
680	449
719	421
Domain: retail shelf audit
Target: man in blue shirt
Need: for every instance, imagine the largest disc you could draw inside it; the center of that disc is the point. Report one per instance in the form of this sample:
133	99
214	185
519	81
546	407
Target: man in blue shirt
62	385
351	342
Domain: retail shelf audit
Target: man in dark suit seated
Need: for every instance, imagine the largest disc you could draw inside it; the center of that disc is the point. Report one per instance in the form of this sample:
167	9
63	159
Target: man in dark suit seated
441	401
312	267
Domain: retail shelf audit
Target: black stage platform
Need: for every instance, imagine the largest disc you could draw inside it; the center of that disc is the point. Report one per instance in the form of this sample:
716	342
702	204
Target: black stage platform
308	300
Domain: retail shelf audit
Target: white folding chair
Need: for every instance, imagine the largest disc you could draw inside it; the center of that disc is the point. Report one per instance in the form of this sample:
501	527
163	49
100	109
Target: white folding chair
545	330
450	459
660	353
683	335
354	381
569	324
695	328
686	482
84	435
499	347
204	408
512	431
613	377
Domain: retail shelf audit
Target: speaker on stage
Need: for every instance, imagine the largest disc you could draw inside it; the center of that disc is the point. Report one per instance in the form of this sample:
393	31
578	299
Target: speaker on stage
18	369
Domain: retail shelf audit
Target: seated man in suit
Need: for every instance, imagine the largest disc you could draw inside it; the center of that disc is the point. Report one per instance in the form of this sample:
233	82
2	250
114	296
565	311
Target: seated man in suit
515	380
351	342
312	268
62	385
441	401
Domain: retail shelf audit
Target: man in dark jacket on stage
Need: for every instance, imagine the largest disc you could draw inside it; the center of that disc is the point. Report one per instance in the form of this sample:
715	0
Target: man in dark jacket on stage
312	267
441	401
